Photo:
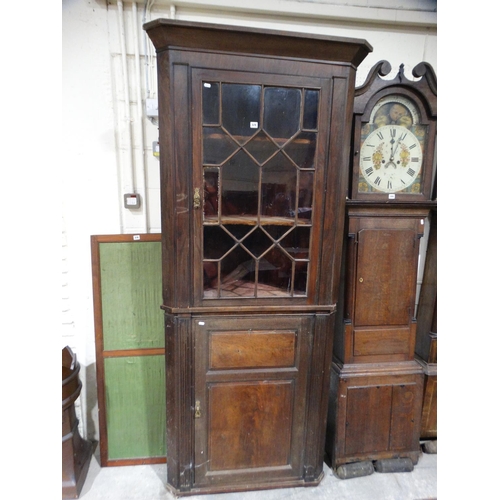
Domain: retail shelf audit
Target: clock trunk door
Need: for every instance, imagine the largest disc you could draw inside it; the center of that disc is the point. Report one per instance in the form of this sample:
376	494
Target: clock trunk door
384	292
385	282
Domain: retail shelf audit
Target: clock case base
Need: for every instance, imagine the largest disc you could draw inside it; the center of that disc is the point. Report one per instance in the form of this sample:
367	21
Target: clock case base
374	412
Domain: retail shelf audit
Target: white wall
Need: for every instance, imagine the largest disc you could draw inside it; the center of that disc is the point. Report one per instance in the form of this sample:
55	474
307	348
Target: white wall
107	145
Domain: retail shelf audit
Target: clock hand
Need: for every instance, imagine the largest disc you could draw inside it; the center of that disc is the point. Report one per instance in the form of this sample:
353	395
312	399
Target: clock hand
397	145
392	152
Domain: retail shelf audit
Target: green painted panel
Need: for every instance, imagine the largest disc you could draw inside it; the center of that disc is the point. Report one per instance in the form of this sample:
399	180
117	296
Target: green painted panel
135	406
131	295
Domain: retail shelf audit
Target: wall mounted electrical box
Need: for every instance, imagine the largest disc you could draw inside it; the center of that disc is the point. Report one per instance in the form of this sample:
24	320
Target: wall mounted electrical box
132	200
152	108
156	149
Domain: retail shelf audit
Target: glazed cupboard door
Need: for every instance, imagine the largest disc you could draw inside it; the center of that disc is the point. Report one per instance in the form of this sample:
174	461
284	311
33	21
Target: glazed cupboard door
250	398
258	165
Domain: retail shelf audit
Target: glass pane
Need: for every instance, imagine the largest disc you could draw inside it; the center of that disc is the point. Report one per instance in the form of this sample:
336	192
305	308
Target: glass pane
261	147
278	187
238	274
275	274
241	110
276	232
257	243
306	186
240	186
216	242
211	194
210	279
217	145
281	113
238	231
310	120
210	98
300	278
296	243
302	149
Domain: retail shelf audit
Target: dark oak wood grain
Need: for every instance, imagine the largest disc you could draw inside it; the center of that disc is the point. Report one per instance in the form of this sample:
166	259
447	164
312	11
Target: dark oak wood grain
426	343
248	345
376	406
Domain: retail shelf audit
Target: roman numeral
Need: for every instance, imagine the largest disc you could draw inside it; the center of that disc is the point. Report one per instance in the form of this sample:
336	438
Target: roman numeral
369	171
389	185
393	132
402	138
377	181
412	146
415	159
411	172
380	135
367	158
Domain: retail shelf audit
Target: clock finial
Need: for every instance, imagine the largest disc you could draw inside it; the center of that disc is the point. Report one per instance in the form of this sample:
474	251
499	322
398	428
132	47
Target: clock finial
401	72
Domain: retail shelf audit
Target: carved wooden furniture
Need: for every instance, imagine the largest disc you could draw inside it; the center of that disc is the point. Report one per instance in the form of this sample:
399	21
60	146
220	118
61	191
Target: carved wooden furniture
130	348
426	343
254	137
76	451
376	384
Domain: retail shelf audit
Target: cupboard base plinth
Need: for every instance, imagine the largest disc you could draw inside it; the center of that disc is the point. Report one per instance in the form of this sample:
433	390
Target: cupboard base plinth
249	486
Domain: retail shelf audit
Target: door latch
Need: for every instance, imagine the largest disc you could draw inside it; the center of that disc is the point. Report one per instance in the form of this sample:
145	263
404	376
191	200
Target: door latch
197	198
197	410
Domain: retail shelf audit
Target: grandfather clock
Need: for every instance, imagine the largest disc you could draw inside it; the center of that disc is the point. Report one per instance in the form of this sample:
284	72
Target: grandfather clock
426	344
254	135
376	384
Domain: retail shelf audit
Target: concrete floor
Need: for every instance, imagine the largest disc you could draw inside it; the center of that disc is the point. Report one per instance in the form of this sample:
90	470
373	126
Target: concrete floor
147	482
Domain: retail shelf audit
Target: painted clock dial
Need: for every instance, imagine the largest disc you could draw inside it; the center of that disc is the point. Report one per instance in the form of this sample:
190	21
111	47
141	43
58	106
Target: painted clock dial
391	158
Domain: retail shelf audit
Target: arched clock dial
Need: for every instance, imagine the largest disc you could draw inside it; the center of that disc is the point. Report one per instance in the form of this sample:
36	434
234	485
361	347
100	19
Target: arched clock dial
391	158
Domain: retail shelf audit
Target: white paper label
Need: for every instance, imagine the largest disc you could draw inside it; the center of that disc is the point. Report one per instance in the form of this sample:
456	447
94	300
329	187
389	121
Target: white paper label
254	124
207	85
137	236
392	196
201	323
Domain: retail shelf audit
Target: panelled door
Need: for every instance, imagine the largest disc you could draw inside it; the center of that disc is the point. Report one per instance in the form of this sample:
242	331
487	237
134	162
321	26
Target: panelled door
386	259
250	397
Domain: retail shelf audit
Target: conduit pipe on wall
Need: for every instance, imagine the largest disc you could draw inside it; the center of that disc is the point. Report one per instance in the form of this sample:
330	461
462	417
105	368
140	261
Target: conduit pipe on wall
141	170
128	171
147	50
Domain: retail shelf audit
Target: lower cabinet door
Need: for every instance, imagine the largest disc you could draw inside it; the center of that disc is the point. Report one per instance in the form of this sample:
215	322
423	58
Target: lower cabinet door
250	399
376	415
